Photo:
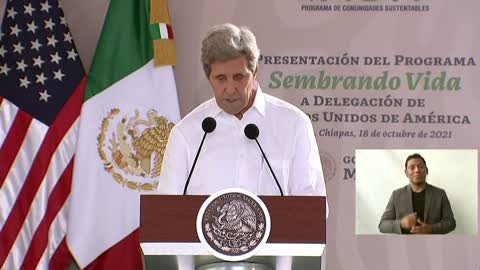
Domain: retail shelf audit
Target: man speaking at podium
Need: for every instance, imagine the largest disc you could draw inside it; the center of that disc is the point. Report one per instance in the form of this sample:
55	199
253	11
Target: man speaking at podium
230	153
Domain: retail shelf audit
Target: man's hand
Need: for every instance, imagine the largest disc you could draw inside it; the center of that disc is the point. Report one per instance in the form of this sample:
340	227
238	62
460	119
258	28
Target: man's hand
408	221
423	228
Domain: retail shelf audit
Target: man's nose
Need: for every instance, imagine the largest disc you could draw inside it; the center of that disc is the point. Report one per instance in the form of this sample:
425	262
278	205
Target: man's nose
230	87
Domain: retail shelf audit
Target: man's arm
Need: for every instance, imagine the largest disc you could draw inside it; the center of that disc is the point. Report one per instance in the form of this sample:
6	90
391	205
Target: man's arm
306	176
388	222
448	223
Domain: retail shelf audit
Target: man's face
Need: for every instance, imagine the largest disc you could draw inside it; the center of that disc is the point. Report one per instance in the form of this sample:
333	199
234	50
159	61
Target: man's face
232	83
416	171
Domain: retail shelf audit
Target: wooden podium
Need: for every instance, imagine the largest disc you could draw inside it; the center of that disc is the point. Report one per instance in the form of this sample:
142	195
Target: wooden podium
168	225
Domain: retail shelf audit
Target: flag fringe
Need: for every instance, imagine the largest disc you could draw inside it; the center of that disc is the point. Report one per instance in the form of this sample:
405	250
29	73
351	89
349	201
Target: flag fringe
159	12
164	52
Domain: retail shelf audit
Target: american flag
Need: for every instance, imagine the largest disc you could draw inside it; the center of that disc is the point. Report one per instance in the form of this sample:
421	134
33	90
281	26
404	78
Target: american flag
41	91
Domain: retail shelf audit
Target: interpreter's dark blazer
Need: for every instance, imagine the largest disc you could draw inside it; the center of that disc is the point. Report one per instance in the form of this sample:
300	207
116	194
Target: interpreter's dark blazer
438	212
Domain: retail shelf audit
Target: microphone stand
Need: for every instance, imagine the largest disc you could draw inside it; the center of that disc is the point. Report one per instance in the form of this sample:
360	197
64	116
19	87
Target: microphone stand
270	167
193	166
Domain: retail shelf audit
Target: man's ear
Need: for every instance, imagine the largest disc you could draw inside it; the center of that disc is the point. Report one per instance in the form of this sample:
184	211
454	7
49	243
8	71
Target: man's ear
255	72
406	173
255	82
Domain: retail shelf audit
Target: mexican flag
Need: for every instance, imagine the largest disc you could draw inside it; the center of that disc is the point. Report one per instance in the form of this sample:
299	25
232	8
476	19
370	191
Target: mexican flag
130	106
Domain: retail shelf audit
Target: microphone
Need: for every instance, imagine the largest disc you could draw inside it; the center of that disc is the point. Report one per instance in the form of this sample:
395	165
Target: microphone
208	125
252	132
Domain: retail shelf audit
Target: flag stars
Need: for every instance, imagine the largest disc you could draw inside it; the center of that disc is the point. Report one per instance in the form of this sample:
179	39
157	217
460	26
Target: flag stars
49	24
41	78
18	48
2	51
58	75
45	6
44	96
31	27
15	30
21	65
38	61
72	54
29	9
63	21
36	45
55	58
24	82
52	41
68	37
4	69
11	13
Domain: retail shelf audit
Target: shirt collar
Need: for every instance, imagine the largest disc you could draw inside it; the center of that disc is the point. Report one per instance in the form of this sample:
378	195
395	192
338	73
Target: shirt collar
258	104
213	108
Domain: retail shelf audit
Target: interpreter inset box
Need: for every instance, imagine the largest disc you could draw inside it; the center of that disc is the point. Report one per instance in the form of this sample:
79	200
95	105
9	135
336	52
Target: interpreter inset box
388	188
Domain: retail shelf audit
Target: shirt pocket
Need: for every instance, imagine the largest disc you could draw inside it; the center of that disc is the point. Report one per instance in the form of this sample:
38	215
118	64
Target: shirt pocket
281	169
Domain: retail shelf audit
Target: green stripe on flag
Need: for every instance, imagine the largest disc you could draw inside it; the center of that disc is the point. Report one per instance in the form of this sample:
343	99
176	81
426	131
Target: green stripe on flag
155	31
126	38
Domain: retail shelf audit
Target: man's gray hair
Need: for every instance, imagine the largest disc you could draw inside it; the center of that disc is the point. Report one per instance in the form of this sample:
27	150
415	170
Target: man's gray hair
227	41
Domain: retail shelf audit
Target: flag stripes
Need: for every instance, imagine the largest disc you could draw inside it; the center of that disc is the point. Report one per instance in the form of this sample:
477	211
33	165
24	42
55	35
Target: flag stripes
165	31
55	202
61	257
161	31
7	115
29	216
15	178
12	143
38	210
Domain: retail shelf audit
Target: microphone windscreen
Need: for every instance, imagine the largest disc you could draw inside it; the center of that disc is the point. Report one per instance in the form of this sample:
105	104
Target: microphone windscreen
251	131
209	124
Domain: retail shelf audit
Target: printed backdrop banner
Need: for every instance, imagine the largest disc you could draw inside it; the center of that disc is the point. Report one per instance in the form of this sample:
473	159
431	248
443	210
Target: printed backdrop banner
379	74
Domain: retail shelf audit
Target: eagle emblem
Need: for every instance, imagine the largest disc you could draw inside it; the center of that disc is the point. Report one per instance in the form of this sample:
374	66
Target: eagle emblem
233	224
329	165
135	147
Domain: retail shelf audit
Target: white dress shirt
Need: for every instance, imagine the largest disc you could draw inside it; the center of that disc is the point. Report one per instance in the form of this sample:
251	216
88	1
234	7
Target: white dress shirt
229	159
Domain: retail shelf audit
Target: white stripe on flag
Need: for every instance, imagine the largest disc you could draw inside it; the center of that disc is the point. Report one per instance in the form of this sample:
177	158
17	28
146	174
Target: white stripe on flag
163	30
19	170
62	156
8	111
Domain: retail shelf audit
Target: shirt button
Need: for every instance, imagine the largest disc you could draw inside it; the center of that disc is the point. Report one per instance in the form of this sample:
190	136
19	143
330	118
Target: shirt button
242	155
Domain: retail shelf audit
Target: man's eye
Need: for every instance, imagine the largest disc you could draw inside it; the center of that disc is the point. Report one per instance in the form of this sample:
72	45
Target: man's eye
238	77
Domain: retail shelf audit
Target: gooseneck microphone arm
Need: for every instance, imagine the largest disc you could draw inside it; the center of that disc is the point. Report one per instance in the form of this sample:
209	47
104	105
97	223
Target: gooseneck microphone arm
208	125
193	166
251	131
270	167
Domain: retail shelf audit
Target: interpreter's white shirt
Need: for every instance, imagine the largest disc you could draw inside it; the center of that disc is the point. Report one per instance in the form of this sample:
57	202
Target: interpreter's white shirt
229	159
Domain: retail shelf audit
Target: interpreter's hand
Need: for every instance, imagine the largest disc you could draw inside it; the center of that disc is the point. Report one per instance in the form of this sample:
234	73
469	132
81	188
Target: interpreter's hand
408	221
423	228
